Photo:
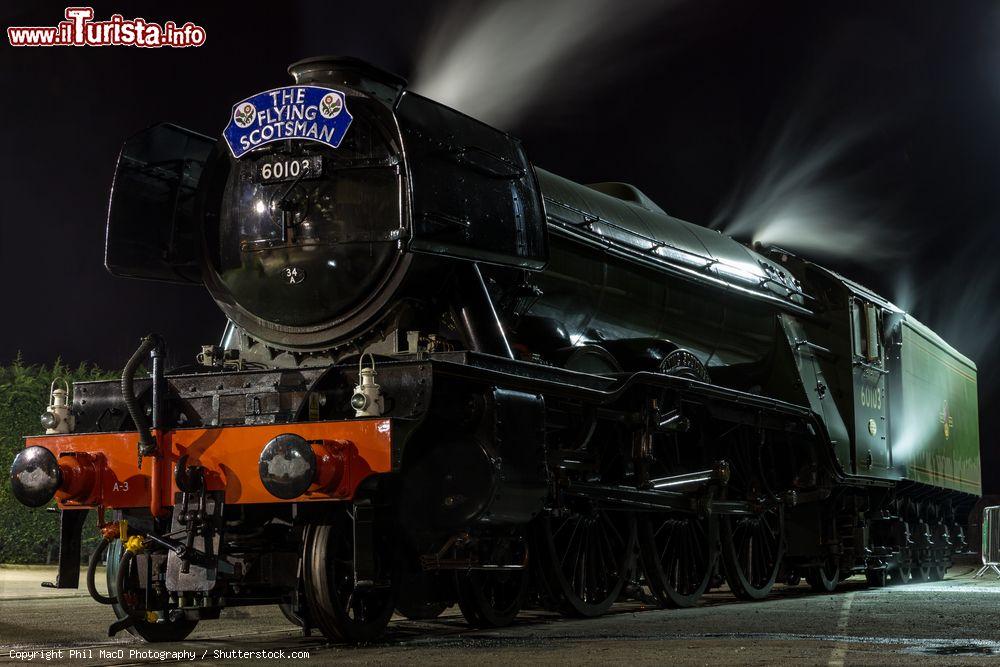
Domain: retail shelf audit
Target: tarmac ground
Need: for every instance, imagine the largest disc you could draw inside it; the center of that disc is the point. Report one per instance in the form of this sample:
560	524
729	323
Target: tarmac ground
955	621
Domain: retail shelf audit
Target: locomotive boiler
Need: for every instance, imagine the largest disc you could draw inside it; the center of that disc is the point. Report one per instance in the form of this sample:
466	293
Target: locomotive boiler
449	376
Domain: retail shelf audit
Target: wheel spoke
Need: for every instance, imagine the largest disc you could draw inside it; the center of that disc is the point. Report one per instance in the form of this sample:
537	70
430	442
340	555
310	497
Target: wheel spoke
569	545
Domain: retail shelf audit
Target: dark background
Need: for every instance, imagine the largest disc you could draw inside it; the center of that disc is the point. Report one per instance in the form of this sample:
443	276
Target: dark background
898	103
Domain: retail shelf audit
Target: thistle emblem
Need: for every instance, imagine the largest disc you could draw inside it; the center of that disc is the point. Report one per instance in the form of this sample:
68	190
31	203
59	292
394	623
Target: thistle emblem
244	115
330	106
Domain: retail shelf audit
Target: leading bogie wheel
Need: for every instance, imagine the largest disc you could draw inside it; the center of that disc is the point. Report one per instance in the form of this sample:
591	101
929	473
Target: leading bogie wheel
492	597
123	587
343	611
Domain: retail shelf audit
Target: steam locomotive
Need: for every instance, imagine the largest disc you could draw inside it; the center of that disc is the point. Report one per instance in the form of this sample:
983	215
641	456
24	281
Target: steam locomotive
449	376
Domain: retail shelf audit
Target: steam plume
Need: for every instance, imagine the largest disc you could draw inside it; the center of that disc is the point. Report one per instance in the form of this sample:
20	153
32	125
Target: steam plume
495	60
807	193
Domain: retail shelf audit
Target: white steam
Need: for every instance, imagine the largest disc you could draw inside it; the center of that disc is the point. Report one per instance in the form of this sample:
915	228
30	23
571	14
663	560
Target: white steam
494	60
807	192
959	295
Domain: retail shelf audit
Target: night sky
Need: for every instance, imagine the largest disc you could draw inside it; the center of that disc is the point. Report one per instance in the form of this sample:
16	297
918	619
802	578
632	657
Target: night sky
880	121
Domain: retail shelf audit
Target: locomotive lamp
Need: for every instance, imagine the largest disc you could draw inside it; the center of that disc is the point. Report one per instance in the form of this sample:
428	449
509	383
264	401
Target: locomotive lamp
58	417
367	400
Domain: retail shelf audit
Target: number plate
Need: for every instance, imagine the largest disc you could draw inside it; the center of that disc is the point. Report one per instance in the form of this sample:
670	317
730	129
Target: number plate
280	169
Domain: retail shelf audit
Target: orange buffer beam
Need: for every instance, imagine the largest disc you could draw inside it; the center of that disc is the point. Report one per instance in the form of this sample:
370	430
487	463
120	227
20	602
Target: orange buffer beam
229	454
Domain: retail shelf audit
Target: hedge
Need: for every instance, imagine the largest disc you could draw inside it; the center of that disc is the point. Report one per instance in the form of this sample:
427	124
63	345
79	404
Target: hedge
32	535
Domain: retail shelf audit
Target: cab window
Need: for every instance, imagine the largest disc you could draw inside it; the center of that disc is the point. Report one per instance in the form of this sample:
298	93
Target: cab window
866	329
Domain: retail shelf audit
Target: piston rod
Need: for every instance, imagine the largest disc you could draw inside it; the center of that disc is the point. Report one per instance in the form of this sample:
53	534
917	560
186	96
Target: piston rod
691	480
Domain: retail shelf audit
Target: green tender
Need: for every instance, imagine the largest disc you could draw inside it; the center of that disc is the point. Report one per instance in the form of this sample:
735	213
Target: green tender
936	439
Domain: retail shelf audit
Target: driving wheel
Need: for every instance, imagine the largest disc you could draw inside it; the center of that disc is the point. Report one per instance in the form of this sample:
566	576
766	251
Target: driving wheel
679	555
343	611
585	557
752	549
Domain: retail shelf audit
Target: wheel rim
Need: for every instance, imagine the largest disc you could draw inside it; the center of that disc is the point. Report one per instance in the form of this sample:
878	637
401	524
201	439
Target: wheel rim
341	611
826	577
586	558
752	548
679	555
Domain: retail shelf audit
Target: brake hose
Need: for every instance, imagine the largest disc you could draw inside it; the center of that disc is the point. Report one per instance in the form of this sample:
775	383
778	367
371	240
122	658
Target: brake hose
95	558
123	566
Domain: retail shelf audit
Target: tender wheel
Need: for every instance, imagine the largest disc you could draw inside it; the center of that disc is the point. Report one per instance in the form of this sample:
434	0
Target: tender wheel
825	578
679	555
342	612
921	570
585	558
752	549
130	599
942	548
937	572
900	575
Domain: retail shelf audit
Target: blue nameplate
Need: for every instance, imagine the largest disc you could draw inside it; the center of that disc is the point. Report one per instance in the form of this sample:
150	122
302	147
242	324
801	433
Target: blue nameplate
312	113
